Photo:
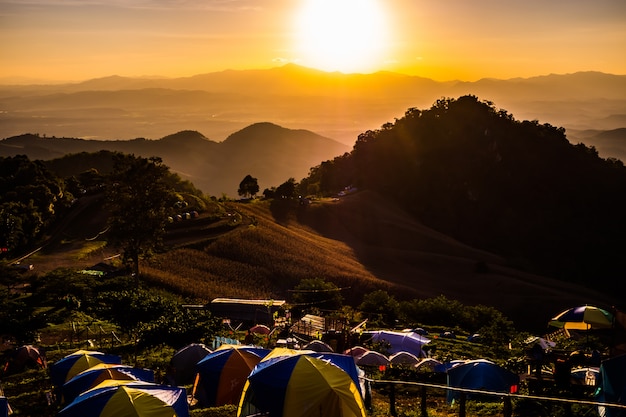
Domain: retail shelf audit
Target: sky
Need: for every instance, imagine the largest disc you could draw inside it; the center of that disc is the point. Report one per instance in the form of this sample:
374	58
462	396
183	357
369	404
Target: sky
75	40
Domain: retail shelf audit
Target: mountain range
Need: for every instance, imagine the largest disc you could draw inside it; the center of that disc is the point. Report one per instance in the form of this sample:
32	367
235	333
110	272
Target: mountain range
268	152
590	105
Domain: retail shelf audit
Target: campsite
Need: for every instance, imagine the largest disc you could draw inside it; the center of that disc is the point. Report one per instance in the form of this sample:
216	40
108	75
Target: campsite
287	365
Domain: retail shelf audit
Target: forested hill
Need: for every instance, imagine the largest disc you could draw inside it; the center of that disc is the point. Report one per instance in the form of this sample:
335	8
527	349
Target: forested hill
516	188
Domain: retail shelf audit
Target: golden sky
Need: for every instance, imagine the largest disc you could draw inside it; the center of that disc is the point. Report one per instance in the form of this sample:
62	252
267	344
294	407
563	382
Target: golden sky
444	40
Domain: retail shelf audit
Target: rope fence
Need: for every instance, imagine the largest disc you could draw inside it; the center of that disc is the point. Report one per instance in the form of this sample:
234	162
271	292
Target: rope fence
507	397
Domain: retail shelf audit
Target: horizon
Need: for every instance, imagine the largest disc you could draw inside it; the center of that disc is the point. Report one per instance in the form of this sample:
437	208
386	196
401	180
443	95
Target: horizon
17	80
73	41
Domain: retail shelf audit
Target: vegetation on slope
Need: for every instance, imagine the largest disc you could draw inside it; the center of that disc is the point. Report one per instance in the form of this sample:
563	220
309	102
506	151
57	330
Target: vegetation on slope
516	188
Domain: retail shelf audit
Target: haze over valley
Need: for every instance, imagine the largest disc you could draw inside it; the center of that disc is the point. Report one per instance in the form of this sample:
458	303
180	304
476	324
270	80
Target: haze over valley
590	105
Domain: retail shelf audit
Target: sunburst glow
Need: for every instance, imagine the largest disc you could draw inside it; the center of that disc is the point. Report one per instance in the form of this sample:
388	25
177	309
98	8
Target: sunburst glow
341	35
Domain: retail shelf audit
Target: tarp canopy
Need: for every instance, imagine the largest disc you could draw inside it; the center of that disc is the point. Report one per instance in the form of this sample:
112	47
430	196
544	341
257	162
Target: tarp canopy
583	318
183	363
612	386
93	376
129	398
223	373
71	365
401	341
300	385
481	374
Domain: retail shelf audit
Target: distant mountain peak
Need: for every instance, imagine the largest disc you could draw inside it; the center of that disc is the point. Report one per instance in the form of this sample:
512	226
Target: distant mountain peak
185	135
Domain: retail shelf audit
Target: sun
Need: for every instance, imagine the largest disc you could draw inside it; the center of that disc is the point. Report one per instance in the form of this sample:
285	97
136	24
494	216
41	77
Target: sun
341	35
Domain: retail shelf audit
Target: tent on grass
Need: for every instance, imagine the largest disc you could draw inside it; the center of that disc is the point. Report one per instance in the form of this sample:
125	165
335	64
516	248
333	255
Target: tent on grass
129	398
182	368
318	346
372	358
221	375
26	356
302	386
612	386
401	341
4	407
403	358
71	365
481	374
97	374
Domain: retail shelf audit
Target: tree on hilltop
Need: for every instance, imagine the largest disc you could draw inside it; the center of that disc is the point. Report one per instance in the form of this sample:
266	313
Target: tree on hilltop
140	201
248	187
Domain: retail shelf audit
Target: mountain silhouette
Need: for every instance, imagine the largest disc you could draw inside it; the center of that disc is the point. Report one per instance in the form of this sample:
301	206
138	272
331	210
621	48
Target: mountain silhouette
268	152
334	105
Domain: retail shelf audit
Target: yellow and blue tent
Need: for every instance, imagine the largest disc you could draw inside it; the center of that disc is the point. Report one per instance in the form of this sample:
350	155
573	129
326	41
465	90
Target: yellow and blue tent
97	374
129	398
223	374
71	365
300	386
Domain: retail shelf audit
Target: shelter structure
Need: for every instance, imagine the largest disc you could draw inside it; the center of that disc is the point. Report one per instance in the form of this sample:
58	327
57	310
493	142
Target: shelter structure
244	310
26	356
612	385
97	374
4	407
221	375
182	368
300	385
129	398
410	342
481	374
71	365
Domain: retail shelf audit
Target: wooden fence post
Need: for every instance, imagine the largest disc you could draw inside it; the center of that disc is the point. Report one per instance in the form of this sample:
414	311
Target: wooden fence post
392	400
508	407
424	412
462	400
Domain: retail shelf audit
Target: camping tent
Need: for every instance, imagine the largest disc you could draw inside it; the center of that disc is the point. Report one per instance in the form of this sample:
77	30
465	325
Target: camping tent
223	373
93	376
25	356
71	365
372	358
300	386
480	374
612	386
403	358
318	346
401	341
129	398
4	407
183	363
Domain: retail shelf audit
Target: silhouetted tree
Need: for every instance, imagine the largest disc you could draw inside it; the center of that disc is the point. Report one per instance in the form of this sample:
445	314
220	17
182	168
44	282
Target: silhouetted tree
286	189
140	202
316	294
248	187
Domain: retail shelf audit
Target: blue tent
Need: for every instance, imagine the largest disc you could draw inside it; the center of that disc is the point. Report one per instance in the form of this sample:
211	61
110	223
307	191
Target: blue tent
71	365
96	374
612	387
129	398
223	373
300	386
480	374
4	407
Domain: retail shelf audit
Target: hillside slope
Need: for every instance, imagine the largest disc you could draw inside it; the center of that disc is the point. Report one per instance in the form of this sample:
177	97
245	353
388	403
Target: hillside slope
361	242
